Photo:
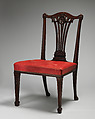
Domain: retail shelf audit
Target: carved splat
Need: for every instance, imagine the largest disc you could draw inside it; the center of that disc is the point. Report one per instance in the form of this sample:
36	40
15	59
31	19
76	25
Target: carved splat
62	24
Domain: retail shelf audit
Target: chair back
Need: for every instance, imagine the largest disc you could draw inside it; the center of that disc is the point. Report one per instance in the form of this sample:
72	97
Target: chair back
62	22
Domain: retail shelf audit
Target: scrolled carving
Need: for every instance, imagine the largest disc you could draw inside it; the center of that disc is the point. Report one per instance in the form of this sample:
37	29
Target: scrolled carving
61	19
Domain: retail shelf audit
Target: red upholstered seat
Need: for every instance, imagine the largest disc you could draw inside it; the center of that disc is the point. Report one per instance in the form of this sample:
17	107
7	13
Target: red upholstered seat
45	67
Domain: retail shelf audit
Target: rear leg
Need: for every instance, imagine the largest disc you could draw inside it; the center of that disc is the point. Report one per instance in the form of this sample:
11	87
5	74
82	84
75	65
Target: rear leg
75	85
45	86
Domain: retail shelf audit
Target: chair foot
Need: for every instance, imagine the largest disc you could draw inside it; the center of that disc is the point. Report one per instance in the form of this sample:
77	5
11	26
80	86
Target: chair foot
59	110
76	98
47	94
17	103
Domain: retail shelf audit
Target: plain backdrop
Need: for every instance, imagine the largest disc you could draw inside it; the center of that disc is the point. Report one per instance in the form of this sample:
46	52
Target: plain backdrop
20	39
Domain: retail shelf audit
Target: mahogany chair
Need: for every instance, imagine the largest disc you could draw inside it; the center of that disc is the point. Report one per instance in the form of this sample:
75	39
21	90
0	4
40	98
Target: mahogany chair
57	67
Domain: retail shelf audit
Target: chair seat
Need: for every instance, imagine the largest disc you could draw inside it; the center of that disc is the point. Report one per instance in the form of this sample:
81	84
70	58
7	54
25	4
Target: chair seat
45	67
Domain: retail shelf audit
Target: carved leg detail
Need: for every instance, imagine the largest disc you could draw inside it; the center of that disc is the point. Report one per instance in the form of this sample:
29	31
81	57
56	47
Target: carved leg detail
75	85
59	88
45	86
17	84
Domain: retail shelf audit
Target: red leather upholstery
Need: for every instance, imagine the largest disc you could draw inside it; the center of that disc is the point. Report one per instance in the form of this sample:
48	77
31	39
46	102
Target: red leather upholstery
45	66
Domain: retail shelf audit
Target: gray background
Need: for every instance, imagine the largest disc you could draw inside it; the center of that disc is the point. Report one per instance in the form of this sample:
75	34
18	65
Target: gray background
20	39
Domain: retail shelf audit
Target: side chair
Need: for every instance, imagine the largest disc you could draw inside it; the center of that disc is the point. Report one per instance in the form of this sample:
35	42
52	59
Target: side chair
58	66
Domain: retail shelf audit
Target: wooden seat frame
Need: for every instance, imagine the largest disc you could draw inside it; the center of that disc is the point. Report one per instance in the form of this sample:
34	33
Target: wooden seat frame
62	21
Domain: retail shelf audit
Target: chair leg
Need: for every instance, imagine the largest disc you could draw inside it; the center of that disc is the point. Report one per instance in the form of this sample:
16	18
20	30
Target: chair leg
45	86
75	84
59	88
17	85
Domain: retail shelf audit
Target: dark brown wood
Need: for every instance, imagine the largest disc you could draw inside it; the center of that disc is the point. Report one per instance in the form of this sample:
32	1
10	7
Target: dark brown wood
62	22
45	86
75	84
17	85
59	88
75	60
43	38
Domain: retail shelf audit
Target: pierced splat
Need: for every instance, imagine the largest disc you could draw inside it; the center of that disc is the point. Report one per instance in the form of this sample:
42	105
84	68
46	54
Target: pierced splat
62	24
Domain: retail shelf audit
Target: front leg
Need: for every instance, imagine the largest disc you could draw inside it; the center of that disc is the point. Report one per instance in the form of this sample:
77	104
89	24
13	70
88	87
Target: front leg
17	85
59	88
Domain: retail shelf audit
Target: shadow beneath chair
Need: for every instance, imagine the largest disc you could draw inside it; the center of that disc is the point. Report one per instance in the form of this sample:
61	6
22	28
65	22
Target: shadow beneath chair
7	102
37	102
